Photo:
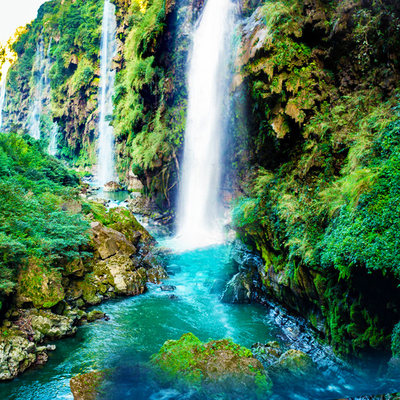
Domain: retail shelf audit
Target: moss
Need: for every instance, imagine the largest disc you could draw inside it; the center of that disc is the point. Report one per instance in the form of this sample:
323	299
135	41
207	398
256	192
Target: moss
198	363
40	285
87	386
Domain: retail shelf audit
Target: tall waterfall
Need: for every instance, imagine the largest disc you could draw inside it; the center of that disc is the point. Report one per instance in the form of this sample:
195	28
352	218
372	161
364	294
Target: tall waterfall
41	80
108	50
3	83
198	209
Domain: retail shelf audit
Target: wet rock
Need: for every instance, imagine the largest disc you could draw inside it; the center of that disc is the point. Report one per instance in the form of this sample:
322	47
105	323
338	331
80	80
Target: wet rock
156	274
268	354
112	187
95	315
86	386
293	362
238	289
168	288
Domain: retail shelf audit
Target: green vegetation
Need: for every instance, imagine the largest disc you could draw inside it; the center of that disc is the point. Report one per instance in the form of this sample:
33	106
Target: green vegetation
192	361
33	226
70	32
149	115
322	196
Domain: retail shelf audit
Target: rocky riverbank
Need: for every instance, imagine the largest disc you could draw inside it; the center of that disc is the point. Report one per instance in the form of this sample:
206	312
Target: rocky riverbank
50	304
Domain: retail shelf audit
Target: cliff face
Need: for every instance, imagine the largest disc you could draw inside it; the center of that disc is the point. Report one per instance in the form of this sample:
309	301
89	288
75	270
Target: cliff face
316	108
57	72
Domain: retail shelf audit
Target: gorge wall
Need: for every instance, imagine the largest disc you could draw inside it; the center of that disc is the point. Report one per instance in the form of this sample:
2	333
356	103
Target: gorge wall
312	160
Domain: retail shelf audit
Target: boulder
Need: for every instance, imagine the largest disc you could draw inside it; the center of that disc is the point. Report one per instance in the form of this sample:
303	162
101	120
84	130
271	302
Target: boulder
218	362
18	353
86	386
133	182
108	242
112	186
47	325
293	362
238	289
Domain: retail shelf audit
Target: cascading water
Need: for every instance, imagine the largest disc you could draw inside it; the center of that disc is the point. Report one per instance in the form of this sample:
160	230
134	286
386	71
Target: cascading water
198	208
3	83
52	148
40	84
105	163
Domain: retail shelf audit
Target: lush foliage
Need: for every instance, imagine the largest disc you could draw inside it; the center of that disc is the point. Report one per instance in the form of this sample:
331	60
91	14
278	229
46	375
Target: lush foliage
70	35
322	194
33	188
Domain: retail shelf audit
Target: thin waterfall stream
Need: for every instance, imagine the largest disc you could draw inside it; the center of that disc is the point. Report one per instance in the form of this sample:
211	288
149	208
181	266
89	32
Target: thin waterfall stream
3	84
108	50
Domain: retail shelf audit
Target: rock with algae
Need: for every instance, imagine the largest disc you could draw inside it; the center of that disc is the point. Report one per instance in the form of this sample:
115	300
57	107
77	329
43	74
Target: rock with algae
87	386
218	362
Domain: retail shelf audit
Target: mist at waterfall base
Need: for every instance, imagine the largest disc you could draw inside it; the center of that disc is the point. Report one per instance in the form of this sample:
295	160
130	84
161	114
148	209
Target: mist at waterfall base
199	210
108	50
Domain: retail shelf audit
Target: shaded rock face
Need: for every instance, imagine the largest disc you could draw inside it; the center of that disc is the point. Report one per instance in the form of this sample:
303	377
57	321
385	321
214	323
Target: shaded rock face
217	362
239	289
39	285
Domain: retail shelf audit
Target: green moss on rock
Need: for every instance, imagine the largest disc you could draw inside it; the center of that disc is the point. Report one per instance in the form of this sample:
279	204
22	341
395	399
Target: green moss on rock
194	362
39	285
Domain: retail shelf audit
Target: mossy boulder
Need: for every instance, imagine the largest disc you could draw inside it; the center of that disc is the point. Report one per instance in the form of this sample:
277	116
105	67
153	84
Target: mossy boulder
216	362
40	285
48	325
107	242
122	220
87	386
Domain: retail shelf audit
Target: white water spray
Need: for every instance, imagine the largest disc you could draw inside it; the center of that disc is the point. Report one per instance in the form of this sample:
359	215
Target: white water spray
199	210
3	84
108	50
52	148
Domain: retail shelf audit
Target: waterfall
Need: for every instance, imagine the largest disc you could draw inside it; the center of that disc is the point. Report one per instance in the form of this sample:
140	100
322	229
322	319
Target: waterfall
108	50
40	81
199	210
3	83
52	148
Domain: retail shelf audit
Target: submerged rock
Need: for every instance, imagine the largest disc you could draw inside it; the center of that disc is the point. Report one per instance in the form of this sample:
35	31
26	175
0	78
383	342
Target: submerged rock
238	289
219	362
87	386
168	288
